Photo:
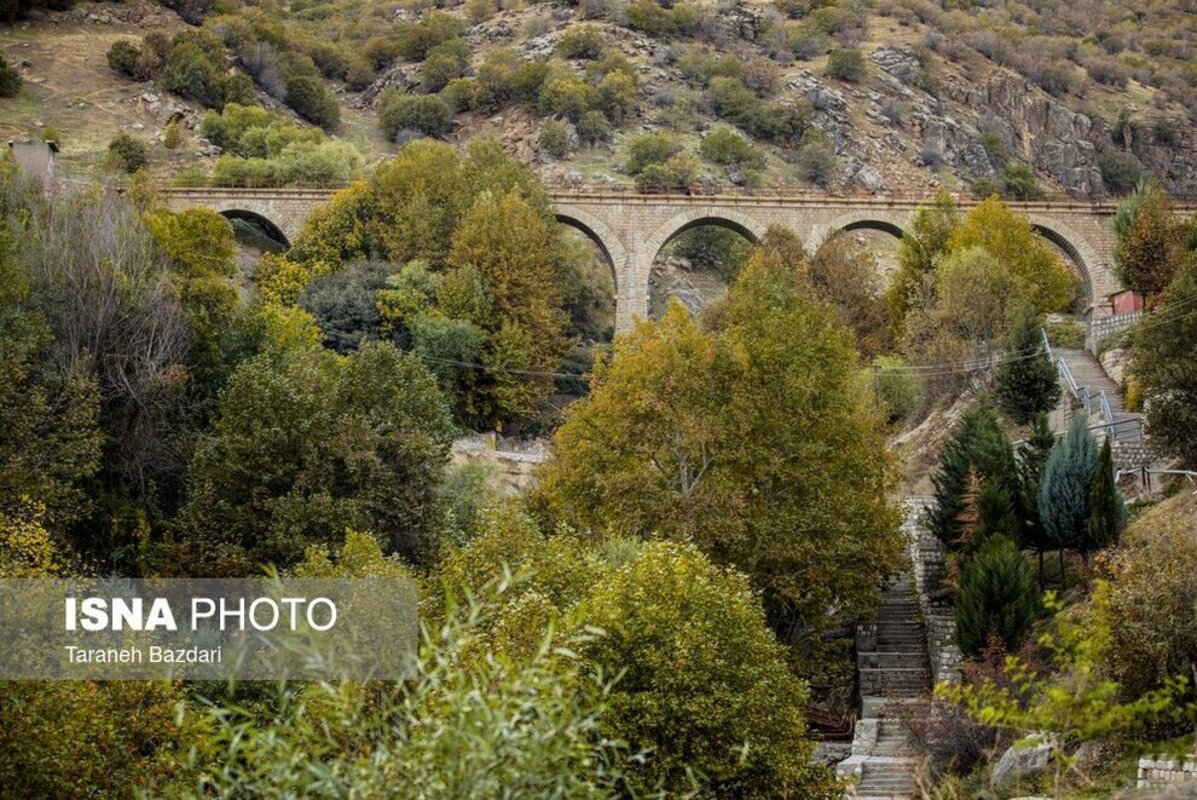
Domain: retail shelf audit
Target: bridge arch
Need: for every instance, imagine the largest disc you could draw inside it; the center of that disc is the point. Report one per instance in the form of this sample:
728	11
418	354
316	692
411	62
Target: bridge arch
750	228
894	225
1075	246
603	237
261	222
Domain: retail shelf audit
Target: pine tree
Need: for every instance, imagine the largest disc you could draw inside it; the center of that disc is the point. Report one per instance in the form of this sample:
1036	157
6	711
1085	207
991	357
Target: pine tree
970	513
997	597
1032	456
1064	488
1027	383
1107	512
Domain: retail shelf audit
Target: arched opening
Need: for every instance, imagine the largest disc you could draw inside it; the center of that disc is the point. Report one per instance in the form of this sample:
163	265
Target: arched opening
846	272
879	239
1071	256
256	232
697	262
591	282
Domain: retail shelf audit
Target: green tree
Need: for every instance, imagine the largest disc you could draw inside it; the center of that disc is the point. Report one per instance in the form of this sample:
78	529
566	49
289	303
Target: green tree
923	243
1032	456
308	445
1027	383
734	714
1008	236
1152	247
740	439
49	438
1107	512
977	444
1165	366
1064	488
997	597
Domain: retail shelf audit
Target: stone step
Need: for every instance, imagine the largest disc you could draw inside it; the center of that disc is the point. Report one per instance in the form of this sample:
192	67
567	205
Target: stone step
909	659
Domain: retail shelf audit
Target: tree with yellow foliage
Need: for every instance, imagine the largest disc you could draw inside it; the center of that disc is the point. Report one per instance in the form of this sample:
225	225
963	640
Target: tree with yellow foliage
1009	237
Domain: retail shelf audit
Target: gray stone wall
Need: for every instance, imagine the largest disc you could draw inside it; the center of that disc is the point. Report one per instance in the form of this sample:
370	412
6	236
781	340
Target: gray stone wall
1166	771
1102	328
928	567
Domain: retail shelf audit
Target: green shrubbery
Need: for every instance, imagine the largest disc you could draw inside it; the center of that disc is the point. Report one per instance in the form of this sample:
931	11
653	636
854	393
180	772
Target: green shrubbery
262	148
127	153
428	115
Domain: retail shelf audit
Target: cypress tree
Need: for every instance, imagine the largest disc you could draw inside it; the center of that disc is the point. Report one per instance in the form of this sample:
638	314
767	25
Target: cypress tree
1027	383
1032	456
1064	488
997	597
1107	513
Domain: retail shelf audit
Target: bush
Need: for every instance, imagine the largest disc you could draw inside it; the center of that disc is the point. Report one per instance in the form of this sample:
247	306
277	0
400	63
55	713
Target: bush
570	97
443	64
308	97
592	128
734	713
1144	606
1018	182
553	138
122	56
648	149
428	114
127	154
172	137
725	146
582	42
10	80
1120	170
434	29
816	162
998	597
847	64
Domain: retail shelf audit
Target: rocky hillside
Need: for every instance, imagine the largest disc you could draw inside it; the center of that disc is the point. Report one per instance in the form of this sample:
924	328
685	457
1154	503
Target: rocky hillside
919	111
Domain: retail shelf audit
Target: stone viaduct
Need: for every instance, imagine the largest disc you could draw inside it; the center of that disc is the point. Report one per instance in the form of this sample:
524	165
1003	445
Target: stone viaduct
631	229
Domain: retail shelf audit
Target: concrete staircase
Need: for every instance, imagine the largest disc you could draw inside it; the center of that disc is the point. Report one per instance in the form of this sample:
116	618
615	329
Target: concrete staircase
1087	371
893	670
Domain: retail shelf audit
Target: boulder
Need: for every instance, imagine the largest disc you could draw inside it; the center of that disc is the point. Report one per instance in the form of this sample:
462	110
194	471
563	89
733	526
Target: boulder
1027	757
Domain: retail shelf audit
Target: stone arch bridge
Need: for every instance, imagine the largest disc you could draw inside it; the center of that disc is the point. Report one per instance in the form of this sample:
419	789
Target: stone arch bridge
631	229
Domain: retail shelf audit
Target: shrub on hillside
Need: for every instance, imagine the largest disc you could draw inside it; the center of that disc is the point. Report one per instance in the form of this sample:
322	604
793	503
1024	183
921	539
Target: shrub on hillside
428	114
816	161
1120	170
725	146
582	42
592	128
847	64
308	97
10	80
127	154
553	138
650	148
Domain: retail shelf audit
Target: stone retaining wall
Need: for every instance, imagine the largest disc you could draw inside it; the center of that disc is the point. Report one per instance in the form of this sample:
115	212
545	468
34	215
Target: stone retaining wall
1102	328
928	567
514	470
1164	771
